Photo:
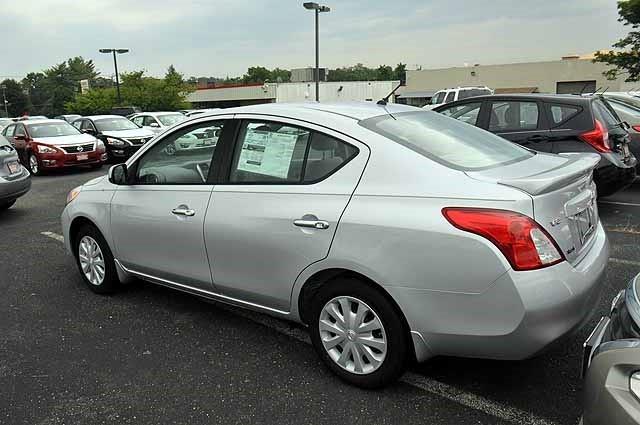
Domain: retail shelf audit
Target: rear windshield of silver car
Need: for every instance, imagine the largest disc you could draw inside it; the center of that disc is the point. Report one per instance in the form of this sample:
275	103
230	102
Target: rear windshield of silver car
448	141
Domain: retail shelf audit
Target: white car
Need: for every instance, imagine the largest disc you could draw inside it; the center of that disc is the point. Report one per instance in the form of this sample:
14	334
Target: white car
158	122
451	95
197	112
200	139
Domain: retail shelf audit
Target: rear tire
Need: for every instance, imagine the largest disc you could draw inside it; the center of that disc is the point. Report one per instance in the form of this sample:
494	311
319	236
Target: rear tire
370	347
95	261
34	165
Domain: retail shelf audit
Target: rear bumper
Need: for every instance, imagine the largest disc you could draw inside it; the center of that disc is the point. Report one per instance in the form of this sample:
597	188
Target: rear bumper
15	187
520	315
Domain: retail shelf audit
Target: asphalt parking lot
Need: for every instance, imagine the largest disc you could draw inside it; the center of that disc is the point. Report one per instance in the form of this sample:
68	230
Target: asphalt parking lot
153	355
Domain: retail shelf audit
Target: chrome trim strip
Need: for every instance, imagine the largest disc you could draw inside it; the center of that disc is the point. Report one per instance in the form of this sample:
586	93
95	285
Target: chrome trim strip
197	291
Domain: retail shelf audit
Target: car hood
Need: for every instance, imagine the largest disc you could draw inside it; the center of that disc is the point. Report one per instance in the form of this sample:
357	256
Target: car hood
128	134
65	140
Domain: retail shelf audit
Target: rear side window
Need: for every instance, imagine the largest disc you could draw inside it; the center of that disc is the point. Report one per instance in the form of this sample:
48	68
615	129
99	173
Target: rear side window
9	131
513	116
449	142
563	113
326	155
450	97
605	115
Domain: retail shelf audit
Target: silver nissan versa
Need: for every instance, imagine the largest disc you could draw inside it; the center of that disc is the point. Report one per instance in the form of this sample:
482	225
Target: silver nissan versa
394	233
15	180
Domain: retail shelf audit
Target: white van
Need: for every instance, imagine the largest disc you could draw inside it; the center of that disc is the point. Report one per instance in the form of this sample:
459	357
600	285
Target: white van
451	95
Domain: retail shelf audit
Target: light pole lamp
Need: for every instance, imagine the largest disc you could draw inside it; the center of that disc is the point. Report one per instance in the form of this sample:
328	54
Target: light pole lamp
318	9
115	65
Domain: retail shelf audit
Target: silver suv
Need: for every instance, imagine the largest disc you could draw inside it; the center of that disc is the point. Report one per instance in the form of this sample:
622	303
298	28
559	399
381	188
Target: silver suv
392	232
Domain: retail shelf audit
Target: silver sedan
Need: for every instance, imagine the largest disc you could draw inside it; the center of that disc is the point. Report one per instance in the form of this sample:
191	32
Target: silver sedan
15	180
394	233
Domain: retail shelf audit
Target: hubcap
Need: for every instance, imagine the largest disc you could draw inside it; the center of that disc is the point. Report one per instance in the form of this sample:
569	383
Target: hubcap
91	260
33	164
353	335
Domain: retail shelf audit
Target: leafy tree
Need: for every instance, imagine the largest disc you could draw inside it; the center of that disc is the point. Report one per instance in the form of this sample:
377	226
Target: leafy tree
256	74
95	101
18	102
384	73
33	85
627	60
280	75
80	69
173	77
400	71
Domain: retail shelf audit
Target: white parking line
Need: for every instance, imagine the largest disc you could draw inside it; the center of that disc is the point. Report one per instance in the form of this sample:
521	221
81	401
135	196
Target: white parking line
627	230
627	262
626	204
52	235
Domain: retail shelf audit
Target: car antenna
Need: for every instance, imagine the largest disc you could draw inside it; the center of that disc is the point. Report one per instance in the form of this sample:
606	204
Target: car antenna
605	90
583	89
385	99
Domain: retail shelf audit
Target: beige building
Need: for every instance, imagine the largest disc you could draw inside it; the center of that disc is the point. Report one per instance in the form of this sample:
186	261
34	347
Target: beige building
571	74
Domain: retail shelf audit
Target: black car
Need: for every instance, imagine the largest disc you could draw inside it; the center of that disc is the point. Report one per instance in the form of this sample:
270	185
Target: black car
556	124
121	137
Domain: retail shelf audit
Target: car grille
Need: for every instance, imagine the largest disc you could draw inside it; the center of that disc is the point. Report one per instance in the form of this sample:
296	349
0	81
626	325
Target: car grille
139	141
78	149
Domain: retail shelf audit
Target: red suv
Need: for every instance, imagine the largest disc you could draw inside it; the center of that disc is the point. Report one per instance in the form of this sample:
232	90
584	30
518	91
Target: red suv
48	144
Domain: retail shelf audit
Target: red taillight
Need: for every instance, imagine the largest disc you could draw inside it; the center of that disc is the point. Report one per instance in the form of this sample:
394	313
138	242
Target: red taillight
525	244
598	137
636	128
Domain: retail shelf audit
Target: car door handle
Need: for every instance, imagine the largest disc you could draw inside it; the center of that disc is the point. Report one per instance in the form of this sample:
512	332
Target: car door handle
314	224
538	138
183	210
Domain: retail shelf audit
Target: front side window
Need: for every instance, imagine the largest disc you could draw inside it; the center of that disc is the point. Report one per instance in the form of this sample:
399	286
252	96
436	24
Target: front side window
450	97
138	120
115	124
20	130
147	121
466	113
8	132
183	157
52	129
513	116
438	98
451	143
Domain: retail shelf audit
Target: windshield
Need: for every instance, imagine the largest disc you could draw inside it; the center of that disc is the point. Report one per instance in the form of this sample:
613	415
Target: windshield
605	114
467	93
115	124
52	129
448	141
172	119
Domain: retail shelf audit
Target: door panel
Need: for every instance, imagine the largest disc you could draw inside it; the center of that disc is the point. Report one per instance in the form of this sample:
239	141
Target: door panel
522	122
151	239
255	249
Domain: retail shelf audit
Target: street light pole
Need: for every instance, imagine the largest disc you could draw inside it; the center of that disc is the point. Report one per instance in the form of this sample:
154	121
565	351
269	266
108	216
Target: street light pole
4	99
317	9
115	65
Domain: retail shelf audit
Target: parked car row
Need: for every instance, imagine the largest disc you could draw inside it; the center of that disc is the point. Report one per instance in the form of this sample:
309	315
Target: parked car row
557	124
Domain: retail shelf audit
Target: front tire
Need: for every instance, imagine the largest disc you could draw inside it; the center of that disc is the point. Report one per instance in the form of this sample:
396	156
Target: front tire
6	205
34	165
358	334
95	261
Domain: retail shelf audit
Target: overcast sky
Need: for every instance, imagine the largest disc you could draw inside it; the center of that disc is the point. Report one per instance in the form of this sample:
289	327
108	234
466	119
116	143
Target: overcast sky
224	37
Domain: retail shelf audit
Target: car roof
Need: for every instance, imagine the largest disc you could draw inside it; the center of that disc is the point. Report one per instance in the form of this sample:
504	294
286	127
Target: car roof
353	110
565	98
98	117
156	114
43	121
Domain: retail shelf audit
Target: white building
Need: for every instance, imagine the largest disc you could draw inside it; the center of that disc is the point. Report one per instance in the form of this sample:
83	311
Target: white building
239	95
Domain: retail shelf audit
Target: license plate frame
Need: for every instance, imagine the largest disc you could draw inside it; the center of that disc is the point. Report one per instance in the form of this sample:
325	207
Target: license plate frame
82	157
586	222
14	167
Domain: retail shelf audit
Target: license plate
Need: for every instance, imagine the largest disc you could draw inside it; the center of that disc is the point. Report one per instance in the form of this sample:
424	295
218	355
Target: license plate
14	167
592	342
82	157
586	222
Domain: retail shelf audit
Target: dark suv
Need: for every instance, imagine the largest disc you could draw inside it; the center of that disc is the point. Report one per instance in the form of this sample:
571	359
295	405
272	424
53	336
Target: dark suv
557	124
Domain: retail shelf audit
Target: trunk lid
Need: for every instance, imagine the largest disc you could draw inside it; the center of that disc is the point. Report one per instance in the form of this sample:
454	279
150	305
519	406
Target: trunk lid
563	195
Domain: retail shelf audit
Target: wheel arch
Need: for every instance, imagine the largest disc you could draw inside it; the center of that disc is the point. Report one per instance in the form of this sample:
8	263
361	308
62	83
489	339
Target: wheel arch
326	276
76	224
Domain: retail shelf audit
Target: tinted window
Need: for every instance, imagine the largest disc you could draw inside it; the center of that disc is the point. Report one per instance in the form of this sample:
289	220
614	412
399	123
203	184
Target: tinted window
450	97
466	113
52	129
326	155
467	93
115	124
447	141
148	120
269	153
513	116
562	113
9	131
20	130
183	157
87	125
604	115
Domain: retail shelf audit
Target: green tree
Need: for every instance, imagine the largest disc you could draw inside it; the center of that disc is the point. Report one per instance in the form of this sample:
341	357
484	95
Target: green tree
18	102
384	73
33	85
626	60
280	75
400	71
256	74
80	69
95	101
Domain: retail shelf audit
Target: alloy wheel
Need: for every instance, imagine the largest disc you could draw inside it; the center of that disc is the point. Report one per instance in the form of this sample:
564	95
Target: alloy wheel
33	164
91	260
353	335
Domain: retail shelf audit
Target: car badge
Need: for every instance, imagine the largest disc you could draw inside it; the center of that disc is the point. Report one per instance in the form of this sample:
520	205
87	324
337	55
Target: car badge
80	149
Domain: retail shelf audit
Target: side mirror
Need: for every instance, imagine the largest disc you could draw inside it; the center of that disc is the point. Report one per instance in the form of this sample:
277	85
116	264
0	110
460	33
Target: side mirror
20	137
118	174
154	125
